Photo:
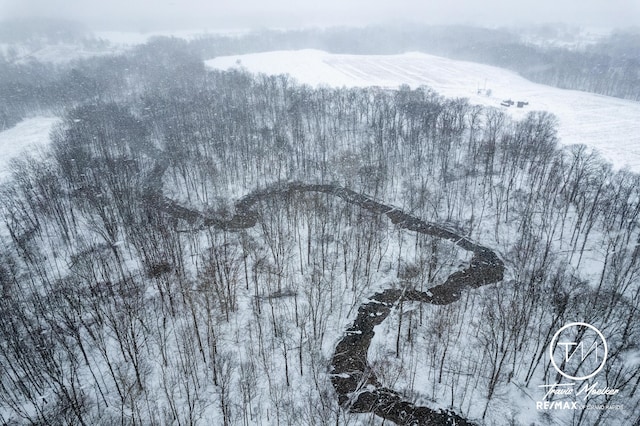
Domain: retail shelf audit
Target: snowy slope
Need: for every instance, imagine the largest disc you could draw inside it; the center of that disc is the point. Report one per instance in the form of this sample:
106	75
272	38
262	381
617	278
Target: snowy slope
610	125
29	134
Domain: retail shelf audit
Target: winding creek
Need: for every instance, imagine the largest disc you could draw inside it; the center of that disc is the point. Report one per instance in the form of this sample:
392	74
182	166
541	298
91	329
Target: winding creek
356	386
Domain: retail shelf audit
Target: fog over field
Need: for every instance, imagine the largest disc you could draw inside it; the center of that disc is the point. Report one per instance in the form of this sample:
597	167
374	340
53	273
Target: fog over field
155	15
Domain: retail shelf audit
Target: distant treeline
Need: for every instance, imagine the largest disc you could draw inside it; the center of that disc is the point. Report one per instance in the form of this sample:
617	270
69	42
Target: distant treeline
609	67
33	87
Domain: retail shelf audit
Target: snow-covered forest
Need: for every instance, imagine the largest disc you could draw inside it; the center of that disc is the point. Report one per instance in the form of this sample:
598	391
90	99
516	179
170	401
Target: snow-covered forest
194	245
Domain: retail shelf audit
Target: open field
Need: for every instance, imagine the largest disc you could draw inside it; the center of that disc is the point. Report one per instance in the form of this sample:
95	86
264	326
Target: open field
608	124
27	135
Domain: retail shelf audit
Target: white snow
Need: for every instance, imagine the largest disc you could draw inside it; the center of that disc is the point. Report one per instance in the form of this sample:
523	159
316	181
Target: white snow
104	43
610	125
29	134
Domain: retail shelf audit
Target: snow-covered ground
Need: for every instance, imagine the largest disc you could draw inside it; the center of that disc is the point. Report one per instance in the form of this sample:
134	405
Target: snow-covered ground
29	134
610	125
111	42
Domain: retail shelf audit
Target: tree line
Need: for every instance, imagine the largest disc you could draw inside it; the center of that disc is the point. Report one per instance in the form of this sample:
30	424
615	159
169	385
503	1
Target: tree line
607	66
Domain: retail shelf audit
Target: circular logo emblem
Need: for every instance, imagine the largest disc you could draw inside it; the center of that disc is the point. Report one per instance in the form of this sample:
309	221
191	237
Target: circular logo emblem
578	351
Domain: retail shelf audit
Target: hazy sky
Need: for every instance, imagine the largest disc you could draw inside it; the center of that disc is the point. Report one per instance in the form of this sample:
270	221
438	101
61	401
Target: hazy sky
184	14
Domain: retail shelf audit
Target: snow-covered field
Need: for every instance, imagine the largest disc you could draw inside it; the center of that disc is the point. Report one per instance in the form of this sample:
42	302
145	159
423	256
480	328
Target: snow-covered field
610	125
29	134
